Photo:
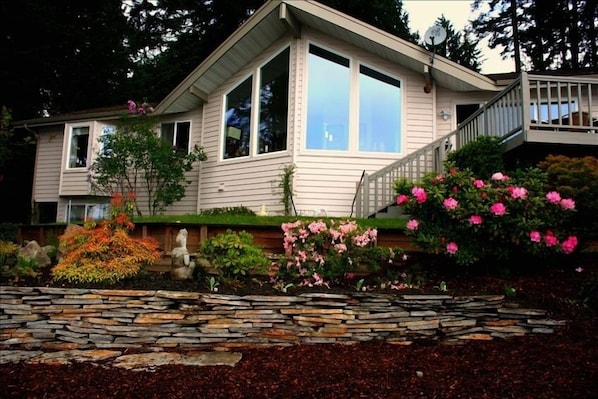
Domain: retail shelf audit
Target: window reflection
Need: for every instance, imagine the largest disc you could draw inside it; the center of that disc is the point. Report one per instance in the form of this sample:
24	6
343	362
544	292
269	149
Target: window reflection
238	121
327	100
274	94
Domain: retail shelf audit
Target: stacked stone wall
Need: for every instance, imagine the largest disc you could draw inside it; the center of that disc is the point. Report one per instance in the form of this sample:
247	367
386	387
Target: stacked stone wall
61	319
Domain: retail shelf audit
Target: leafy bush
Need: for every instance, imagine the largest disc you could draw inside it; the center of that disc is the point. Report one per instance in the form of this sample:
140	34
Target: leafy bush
475	221
236	210
106	252
483	157
577	178
319	253
8	252
234	255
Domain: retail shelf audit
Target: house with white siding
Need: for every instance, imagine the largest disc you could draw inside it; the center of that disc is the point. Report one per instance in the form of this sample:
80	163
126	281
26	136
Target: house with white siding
350	106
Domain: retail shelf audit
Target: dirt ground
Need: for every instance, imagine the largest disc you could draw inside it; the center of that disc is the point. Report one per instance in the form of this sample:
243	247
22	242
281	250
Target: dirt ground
561	365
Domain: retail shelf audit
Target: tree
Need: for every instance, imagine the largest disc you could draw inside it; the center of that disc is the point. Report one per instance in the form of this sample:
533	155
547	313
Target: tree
557	34
17	155
61	56
136	160
458	47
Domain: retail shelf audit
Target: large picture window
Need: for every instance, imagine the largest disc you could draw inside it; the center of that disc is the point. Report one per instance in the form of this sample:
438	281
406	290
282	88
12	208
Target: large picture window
332	82
274	105
261	129
78	147
237	129
176	133
379	116
328	93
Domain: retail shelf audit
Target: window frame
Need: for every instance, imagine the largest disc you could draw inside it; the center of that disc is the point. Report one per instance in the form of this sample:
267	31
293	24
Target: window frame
354	133
69	147
175	134
87	208
254	135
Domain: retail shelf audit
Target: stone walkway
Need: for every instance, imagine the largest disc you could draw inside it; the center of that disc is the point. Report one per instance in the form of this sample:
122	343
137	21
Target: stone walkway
138	362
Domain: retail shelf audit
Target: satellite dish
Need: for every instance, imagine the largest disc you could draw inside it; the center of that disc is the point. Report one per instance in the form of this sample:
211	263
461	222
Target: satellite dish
435	34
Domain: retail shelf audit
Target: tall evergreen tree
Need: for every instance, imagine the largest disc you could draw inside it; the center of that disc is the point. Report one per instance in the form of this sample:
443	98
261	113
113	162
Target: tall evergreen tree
555	34
62	55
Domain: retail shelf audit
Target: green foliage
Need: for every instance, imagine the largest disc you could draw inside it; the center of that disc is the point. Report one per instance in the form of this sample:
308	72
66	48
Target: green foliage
488	222
317	253
135	159
286	186
576	178
103	253
483	156
8	250
25	267
231	211
234	255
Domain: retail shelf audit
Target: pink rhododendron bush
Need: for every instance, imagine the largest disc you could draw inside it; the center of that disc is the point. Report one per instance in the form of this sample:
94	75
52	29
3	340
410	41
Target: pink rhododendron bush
320	253
477	221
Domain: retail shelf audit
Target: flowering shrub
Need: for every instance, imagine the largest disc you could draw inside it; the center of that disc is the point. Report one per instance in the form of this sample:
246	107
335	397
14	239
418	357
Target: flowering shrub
473	220
104	252
318	253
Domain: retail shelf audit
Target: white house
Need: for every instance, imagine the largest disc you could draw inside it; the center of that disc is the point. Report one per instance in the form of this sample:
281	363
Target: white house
301	83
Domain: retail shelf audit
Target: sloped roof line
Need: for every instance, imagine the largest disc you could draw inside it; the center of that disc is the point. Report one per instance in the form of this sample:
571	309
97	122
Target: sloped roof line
302	11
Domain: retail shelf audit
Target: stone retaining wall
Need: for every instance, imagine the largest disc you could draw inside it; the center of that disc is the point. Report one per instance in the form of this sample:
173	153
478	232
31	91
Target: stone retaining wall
54	318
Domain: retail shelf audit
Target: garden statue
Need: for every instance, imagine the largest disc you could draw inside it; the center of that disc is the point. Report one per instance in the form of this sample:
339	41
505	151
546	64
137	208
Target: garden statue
182	266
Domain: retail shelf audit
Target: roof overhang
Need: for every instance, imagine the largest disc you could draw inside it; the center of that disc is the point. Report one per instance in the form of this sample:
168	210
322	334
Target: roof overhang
277	18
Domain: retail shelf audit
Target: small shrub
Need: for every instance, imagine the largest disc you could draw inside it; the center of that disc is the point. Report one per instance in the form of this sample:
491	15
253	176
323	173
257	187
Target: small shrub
8	252
483	157
475	221
234	255
25	267
104	253
576	178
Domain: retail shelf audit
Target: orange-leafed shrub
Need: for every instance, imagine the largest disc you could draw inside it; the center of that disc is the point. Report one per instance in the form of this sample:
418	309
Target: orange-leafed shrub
103	253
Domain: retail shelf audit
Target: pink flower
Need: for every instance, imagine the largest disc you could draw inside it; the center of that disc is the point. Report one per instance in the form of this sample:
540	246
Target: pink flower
553	197
316	227
132	106
569	244
535	236
499	177
478	183
475	219
550	239
412	224
450	203
402	199
519	193
452	247
567	204
498	209
579	269
419	194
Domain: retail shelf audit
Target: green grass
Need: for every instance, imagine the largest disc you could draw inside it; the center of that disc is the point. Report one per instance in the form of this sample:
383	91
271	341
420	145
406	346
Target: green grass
246	220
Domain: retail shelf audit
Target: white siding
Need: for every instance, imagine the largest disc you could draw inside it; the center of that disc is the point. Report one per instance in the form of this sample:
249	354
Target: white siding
248	181
46	178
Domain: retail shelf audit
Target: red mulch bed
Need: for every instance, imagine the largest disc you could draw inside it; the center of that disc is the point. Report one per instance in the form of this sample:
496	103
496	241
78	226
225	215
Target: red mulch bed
562	365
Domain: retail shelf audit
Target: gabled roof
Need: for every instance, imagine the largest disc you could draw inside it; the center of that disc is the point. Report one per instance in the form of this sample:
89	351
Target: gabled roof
278	17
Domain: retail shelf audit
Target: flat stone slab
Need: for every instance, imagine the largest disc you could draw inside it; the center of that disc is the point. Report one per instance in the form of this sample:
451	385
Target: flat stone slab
148	361
135	362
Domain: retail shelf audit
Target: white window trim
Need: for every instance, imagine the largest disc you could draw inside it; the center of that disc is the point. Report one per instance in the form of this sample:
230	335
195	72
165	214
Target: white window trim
255	76
353	150
67	145
174	137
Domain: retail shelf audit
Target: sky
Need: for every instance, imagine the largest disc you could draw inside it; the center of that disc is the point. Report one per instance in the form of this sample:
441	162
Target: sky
424	13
